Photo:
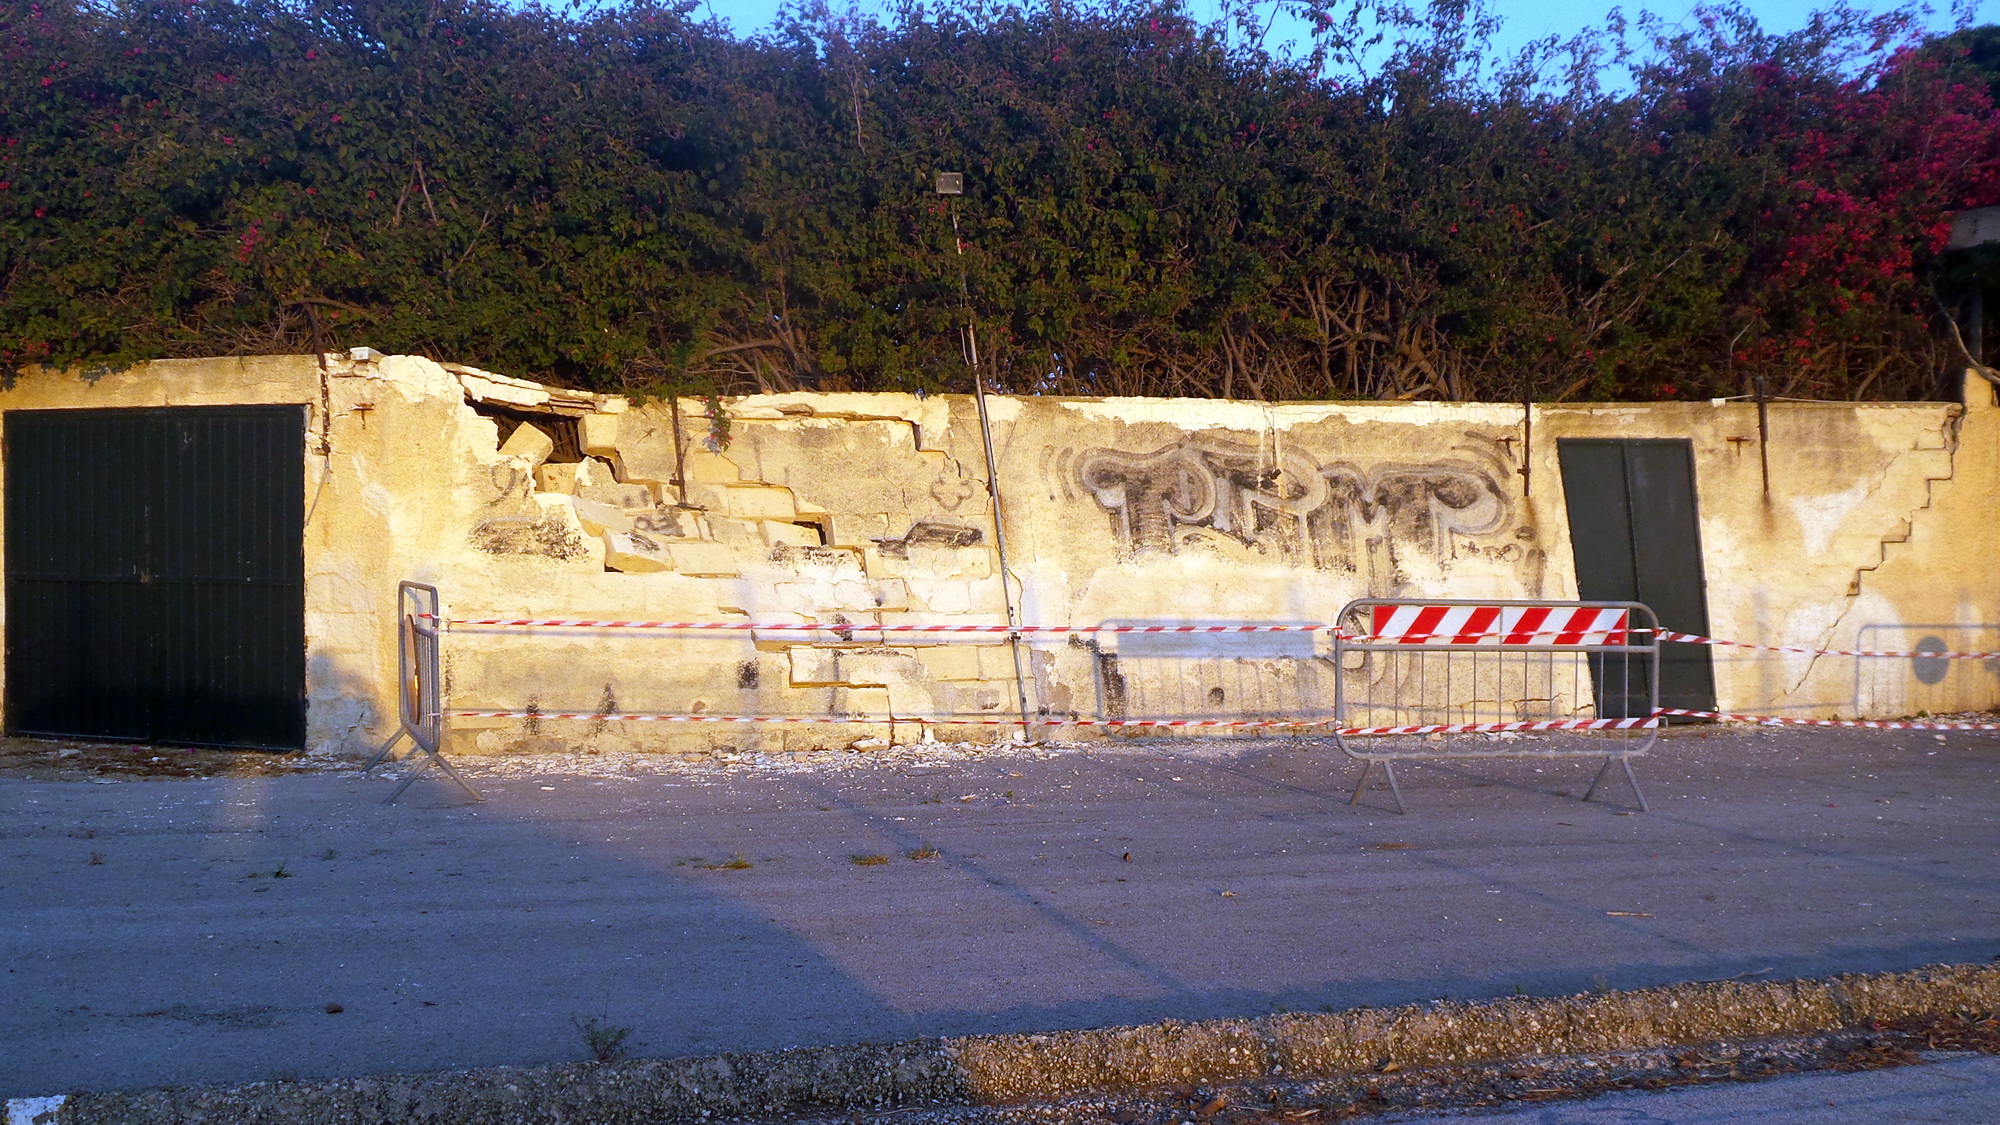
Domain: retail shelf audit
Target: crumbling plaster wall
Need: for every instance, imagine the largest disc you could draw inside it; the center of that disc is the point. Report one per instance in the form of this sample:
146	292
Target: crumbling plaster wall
872	508
522	501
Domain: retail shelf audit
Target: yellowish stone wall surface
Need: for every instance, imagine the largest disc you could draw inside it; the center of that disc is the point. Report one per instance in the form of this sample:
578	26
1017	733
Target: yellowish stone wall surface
518	500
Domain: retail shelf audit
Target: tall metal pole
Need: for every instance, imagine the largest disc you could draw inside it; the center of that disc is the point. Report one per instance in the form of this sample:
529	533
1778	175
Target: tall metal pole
992	479
1764	434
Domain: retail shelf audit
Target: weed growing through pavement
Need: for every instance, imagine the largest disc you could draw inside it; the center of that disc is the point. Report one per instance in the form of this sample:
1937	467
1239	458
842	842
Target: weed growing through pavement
869	860
604	1041
281	873
737	862
329	854
925	852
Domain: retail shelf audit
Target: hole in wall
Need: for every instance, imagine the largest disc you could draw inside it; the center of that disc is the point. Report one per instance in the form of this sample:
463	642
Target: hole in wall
561	428
746	674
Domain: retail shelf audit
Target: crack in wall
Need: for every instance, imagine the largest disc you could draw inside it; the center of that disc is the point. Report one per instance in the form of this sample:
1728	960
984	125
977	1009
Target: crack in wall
1950	434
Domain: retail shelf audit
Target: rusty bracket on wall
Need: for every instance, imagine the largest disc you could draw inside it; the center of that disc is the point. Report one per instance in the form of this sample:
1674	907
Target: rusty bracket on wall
1527	447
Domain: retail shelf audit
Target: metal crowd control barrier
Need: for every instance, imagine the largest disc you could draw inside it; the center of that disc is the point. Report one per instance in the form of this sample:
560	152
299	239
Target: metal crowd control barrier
419	689
1426	678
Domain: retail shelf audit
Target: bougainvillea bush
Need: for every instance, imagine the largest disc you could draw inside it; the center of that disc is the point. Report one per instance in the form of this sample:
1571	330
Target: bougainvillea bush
632	197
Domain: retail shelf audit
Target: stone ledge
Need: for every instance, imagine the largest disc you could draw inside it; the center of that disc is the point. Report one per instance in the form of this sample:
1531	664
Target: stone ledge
1000	1069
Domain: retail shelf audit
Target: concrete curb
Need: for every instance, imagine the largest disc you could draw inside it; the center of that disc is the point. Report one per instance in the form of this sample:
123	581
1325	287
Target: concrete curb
994	1069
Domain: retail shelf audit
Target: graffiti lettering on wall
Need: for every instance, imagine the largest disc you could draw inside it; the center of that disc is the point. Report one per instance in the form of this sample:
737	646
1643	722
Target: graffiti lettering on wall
1344	516
930	533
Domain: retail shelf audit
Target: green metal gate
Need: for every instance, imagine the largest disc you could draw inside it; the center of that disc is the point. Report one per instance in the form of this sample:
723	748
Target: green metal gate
1634	531
155	577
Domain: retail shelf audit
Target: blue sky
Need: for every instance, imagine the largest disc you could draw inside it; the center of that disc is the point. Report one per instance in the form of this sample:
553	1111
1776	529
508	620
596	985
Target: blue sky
1524	20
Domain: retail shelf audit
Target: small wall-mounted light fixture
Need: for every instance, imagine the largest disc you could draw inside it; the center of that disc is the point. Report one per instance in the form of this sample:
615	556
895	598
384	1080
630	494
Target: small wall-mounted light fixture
951	183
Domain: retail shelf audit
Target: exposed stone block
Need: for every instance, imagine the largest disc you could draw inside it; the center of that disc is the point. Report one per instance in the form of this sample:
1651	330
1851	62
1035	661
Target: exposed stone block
968	563
778	533
599	434
942	595
599	519
801	598
758	502
626	495
529	443
485	386
952	662
813	666
996	662
545	526
859	701
907	698
973	563
703	559
819	562
853	594
635	554
559	479
737	533
858	667
671	523
856	530
704	467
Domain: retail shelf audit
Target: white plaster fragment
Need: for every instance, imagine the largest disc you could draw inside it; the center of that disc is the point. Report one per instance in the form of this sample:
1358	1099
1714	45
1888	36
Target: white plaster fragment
635	554
34	1111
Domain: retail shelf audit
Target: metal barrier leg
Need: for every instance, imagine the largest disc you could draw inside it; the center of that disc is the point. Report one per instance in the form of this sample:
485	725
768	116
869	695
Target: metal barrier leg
431	758
382	753
1361	783
1630	780
452	772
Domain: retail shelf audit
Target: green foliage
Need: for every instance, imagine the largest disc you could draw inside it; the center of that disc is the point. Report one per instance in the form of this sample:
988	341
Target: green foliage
631	199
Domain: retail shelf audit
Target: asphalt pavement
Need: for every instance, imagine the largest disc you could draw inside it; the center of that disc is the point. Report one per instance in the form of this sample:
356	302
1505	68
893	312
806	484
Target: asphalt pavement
184	931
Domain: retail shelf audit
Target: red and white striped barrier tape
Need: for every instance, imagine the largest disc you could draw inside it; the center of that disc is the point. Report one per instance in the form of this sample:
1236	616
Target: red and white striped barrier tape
878	720
863	627
1455	728
957	720
1692	639
1530	626
1495	728
1870	724
1633	637
1499	625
